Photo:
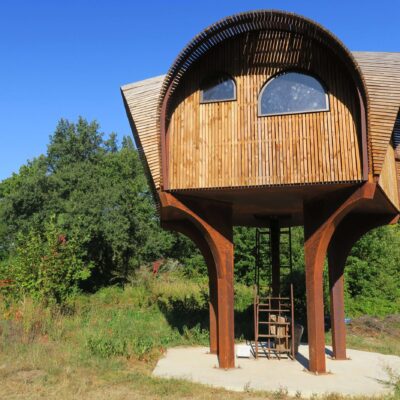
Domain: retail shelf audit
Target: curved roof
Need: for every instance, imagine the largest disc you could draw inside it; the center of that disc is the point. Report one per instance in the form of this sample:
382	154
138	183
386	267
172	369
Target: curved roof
377	73
253	21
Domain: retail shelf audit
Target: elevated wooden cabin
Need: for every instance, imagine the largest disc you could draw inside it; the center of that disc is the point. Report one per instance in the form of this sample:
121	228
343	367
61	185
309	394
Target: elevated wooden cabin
267	116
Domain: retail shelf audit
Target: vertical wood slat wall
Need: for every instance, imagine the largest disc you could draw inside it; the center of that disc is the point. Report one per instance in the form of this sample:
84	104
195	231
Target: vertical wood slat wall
226	144
396	144
398	177
396	136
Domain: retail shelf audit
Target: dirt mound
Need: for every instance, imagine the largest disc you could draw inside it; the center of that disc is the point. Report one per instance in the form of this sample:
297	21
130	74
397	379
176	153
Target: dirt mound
374	326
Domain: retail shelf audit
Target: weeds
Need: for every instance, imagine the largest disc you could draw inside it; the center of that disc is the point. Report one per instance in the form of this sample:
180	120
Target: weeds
394	381
105	345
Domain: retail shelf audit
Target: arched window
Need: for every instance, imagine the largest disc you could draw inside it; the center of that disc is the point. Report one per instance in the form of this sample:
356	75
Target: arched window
292	93
218	88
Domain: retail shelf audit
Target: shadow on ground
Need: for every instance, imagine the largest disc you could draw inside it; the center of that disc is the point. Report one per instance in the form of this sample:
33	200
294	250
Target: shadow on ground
181	317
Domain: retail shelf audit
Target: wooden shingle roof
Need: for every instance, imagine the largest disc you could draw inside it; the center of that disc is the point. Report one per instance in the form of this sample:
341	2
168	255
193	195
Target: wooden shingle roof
141	104
381	73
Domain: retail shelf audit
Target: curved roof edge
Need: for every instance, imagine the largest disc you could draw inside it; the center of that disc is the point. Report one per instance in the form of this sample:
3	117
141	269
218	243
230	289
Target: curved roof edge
231	26
237	24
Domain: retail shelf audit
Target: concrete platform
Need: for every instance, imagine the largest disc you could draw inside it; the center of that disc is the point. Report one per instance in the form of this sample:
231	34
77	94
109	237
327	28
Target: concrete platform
364	374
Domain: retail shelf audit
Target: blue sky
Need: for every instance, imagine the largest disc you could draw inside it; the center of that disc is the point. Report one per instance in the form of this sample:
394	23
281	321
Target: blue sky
62	59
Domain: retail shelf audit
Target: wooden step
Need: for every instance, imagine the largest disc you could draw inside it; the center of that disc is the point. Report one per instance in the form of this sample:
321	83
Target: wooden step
263	335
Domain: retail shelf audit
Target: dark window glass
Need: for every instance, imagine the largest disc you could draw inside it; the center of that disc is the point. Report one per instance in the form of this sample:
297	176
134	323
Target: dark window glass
218	88
292	92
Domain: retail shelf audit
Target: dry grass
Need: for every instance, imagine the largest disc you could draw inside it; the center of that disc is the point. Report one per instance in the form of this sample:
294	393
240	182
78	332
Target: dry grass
380	335
46	371
45	355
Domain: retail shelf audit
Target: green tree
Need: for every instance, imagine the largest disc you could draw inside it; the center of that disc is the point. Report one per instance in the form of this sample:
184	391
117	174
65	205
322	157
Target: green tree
95	189
99	196
372	273
245	240
73	143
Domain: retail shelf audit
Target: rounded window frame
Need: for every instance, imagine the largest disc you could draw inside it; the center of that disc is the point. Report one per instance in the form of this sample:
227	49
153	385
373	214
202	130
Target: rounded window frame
215	76
280	73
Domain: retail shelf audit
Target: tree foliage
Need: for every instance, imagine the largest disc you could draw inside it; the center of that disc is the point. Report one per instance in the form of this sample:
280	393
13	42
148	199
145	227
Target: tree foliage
372	274
92	190
95	189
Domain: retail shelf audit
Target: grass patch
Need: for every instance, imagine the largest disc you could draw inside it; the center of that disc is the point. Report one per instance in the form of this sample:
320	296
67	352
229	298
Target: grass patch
105	345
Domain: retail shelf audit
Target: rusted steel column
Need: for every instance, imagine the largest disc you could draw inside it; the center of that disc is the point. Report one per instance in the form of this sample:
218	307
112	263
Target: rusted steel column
213	234
213	310
320	221
349	231
226	333
191	231
275	257
314	252
336	264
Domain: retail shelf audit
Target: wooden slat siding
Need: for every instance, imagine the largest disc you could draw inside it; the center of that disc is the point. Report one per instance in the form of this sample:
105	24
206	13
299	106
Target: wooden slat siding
142	101
388	179
398	177
396	145
382	76
293	149
396	137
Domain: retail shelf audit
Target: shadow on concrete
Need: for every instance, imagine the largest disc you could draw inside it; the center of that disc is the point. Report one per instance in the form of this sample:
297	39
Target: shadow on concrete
302	360
329	352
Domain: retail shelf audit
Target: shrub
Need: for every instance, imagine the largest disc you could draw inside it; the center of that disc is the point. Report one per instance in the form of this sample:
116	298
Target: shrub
196	335
47	266
143	345
107	346
184	295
